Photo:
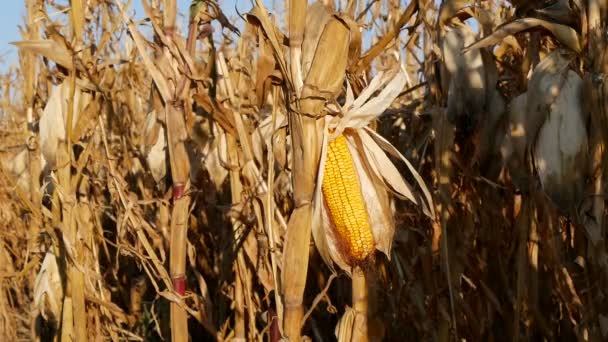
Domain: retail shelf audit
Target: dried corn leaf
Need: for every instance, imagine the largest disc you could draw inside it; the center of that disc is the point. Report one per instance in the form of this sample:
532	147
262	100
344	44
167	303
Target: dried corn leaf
427	207
561	11
384	168
159	79
265	69
87	120
450	9
565	34
259	16
48	49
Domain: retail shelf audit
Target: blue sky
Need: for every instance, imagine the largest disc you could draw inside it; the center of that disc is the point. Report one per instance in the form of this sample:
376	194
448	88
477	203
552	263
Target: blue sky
13	12
10	16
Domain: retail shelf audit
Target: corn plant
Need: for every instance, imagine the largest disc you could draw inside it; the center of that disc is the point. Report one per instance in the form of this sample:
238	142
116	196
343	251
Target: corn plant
295	170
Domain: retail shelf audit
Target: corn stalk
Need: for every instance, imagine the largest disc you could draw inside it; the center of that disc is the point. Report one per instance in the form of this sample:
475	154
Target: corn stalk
324	78
306	156
180	168
73	326
598	107
102	212
30	66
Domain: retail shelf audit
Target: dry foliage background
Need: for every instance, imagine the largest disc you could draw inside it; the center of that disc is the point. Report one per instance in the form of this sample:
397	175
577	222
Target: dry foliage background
146	180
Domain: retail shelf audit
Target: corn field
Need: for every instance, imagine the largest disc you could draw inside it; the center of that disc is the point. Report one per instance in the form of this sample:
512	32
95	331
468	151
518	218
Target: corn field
373	170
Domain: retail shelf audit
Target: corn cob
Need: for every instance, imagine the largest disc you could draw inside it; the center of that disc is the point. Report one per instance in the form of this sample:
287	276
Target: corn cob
344	200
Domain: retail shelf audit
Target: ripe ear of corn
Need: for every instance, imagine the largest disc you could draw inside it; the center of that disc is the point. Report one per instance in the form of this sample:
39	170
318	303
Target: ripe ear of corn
346	206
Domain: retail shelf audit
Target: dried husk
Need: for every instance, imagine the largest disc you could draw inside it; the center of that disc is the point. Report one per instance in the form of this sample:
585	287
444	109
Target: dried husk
543	91
377	174
549	122
562	147
215	158
48	289
155	146
16	164
54	117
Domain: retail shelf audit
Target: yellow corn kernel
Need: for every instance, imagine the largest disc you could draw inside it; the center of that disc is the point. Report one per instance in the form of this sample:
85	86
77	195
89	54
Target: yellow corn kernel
347	209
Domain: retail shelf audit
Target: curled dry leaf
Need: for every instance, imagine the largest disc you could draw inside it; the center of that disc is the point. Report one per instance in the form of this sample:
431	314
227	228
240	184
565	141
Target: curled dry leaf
450	9
565	34
426	204
49	49
265	70
561	11
365	108
259	17
384	169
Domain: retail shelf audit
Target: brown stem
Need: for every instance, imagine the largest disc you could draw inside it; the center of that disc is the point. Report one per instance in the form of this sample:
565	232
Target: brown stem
180	168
